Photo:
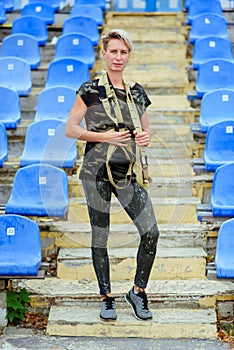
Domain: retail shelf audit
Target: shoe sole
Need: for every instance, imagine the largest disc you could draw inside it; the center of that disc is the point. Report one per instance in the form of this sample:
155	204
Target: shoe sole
108	319
128	300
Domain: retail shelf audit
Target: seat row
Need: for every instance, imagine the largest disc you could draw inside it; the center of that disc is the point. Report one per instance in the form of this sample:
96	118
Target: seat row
213	60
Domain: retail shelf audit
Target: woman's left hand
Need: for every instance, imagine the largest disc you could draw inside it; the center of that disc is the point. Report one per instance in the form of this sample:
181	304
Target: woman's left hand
142	138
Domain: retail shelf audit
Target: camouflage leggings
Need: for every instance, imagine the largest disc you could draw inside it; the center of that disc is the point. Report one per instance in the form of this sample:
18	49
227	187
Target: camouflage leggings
136	202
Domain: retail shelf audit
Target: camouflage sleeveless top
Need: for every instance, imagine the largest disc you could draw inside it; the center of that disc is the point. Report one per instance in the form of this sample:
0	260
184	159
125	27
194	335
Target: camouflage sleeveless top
96	120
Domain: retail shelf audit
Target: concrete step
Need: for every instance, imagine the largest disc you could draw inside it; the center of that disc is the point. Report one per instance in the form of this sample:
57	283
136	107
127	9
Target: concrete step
168	323
168	211
175	263
3	307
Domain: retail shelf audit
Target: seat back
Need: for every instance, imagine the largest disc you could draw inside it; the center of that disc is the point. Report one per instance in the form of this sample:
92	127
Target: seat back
2	13
55	4
214	74
76	45
39	190
82	25
8	5
40	9
46	143
68	72
224	261
20	246
23	46
31	25
208	24
219	147
210	48
16	74
200	7
100	3
61	100
222	197
223	100
3	145
90	11
10	114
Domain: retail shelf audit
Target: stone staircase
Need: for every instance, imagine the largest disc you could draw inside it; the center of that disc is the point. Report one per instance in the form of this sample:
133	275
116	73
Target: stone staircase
185	303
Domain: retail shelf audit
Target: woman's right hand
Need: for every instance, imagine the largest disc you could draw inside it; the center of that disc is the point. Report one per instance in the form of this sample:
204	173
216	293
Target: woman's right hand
117	138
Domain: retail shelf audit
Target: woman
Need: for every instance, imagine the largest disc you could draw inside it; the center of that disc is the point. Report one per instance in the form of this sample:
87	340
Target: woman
112	139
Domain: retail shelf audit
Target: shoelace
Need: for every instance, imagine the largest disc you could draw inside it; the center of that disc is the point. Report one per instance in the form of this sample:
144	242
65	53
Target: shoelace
109	303
143	296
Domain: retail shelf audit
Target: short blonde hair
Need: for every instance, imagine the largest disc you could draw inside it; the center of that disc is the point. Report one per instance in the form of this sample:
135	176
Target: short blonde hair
117	34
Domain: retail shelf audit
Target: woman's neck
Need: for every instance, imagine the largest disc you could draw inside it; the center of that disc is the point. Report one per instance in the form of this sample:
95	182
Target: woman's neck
116	79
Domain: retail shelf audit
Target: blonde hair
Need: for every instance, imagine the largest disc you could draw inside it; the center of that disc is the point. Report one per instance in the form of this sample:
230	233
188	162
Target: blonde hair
117	34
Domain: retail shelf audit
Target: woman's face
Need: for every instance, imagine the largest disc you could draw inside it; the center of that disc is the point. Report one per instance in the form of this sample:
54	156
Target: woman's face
116	55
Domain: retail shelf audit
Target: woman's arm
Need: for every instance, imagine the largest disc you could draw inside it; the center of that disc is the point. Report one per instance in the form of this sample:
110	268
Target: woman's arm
74	130
143	138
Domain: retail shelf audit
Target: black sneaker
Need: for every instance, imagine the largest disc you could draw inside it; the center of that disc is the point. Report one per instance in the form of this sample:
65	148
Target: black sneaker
108	309
139	304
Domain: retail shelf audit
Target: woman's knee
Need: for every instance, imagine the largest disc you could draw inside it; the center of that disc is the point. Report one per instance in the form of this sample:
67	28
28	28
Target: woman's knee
150	240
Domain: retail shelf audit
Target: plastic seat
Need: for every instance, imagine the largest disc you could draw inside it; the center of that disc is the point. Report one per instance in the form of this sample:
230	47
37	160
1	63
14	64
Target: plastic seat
76	45
222	197
40	9
169	6
3	145
23	46
208	24
100	3
210	48
214	74
68	72
219	147
31	25
20	246
200	7
16	74
8	5
47	143
82	25
61	100
223	100
224	259
55	4
2	13
10	114
90	11
39	190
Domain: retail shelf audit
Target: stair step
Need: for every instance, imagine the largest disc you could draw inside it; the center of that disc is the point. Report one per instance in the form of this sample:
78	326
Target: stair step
3	308
167	323
175	263
168	211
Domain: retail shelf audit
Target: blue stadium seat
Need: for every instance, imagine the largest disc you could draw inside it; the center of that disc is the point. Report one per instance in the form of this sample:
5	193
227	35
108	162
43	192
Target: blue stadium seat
10	114
208	24
8	5
222	197
91	11
82	25
20	246
219	147
3	145
39	190
169	6
16	74
75	45
46	142
31	25
61	100
2	13
40	9
23	46
224	258
209	48
100	3
68	72
55	4
200	7
214	74
223	100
